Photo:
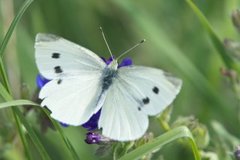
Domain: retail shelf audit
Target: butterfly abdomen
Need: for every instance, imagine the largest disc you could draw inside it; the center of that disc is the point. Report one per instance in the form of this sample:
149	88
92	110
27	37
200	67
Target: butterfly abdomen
107	77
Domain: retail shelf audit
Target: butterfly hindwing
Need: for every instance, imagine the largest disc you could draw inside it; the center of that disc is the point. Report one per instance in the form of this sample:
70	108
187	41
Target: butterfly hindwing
120	119
136	92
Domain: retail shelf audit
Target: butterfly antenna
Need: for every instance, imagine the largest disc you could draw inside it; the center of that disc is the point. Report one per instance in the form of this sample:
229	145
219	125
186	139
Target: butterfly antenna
133	47
104	38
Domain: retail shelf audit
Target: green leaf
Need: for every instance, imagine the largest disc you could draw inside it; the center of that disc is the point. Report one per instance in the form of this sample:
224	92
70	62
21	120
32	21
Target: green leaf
177	57
5	89
4	92
3	76
20	120
63	136
56	125
19	102
15	21
159	142
224	135
5	95
32	135
10	103
215	39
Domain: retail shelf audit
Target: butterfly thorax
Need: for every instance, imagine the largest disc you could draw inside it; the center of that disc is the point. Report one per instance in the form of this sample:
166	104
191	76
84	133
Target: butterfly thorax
113	65
109	73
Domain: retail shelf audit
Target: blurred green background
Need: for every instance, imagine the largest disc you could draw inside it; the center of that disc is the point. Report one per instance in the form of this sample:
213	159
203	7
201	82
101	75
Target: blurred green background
176	42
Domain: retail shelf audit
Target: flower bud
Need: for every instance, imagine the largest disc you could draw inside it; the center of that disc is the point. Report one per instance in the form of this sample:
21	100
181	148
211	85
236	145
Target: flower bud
199	131
233	47
96	138
237	153
236	19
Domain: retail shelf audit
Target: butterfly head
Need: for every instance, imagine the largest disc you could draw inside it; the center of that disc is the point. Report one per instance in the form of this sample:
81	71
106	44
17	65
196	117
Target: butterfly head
113	65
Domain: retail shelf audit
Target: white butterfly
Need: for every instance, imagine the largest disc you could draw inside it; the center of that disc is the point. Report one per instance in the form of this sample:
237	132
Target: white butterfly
81	84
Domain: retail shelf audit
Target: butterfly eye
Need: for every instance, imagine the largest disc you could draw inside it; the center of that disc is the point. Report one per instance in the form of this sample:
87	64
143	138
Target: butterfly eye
56	55
155	90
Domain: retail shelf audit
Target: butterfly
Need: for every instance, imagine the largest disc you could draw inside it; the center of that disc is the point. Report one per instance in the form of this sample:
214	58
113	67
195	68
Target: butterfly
82	84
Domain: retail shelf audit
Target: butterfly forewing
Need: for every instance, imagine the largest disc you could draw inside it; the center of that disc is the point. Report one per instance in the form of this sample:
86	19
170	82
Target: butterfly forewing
74	92
153	88
57	56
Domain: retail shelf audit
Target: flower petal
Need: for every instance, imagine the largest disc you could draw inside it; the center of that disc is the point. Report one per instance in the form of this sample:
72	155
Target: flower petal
41	81
125	62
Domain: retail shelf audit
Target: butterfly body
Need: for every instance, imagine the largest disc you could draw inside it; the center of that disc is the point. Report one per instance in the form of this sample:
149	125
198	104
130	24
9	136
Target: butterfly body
82	84
108	75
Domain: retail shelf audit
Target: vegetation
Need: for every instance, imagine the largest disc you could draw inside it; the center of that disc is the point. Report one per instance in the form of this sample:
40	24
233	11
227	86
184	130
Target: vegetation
196	40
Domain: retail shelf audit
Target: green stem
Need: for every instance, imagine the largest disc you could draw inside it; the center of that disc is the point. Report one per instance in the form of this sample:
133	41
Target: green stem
3	76
64	138
164	124
17	18
23	137
4	79
20	102
215	39
20	121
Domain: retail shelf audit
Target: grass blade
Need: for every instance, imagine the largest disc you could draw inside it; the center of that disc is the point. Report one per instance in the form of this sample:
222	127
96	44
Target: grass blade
32	135
3	75
4	92
20	120
10	103
23	137
159	142
166	46
5	95
6	39
19	102
213	36
19	15
64	138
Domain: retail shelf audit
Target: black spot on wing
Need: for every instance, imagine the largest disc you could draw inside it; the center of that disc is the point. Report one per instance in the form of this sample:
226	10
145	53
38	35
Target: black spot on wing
58	69
56	55
59	81
145	100
155	90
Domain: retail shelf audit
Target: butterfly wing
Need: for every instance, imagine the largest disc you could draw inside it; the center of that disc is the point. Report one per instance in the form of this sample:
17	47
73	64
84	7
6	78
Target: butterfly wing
136	92
56	55
74	92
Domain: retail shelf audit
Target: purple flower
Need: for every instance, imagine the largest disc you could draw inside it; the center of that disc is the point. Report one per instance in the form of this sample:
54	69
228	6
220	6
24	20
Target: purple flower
92	123
96	138
64	124
125	62
41	81
237	153
92	138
